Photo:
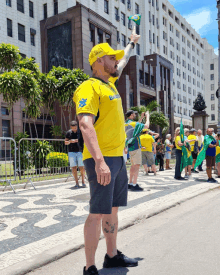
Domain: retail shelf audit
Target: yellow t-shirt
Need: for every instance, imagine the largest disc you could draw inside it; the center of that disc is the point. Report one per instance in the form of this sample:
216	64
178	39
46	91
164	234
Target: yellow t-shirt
217	150
192	143
176	143
147	142
102	99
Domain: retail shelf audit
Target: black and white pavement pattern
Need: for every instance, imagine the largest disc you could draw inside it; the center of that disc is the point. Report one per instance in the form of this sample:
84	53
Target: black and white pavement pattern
32	221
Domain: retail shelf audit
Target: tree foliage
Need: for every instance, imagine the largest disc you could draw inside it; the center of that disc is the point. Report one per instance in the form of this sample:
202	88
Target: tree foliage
156	118
9	56
22	79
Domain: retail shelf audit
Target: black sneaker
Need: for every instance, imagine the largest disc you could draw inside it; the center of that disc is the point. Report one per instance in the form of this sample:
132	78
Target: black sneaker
194	171
136	188
92	270
129	186
120	260
180	178
213	180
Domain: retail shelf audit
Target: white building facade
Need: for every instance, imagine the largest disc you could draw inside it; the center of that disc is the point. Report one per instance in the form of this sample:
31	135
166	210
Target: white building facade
211	84
163	31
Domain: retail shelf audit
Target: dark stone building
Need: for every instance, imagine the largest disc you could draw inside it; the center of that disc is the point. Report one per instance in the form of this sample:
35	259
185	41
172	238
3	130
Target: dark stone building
66	40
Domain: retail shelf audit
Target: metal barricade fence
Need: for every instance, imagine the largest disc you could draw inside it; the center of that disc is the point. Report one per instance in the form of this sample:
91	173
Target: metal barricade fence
39	158
8	152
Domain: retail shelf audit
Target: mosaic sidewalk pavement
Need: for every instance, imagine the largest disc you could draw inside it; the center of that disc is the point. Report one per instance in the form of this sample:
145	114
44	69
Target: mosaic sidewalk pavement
32	222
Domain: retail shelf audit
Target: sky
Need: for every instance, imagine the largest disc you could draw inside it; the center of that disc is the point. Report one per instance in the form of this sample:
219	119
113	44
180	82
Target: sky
201	14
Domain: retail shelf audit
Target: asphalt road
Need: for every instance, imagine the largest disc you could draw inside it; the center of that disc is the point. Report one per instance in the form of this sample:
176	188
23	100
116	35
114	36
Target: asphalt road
184	240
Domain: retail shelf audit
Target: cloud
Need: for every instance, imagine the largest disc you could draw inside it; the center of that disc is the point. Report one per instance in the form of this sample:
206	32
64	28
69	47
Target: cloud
216	51
200	19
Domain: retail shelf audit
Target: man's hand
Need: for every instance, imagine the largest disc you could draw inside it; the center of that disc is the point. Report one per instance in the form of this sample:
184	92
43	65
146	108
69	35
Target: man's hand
73	140
103	173
142	115
134	37
212	146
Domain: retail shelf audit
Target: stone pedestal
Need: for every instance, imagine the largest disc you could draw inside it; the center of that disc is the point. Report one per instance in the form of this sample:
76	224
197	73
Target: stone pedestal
200	121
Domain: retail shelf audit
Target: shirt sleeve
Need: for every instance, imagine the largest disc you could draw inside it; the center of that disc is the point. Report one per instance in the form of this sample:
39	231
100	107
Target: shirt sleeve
68	135
86	99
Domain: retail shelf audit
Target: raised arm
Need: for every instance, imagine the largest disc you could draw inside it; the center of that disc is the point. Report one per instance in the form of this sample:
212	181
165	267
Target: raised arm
86	122
128	50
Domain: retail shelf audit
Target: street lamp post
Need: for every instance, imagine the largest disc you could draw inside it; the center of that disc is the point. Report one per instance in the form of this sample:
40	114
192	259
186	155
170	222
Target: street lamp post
218	91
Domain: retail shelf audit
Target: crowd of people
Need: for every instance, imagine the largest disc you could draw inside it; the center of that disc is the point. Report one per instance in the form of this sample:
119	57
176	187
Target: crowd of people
147	148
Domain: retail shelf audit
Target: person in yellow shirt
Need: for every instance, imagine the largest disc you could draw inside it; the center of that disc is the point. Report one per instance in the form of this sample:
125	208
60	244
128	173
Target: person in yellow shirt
178	145
189	155
101	120
147	142
217	158
193	141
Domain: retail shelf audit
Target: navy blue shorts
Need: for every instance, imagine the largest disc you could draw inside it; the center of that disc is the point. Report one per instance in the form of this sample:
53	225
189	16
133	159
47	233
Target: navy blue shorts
103	198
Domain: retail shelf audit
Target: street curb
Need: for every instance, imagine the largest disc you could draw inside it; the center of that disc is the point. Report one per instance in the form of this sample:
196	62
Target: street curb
36	183
62	250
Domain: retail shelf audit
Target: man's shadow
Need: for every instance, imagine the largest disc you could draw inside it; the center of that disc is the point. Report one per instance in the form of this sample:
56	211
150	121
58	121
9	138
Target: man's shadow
117	270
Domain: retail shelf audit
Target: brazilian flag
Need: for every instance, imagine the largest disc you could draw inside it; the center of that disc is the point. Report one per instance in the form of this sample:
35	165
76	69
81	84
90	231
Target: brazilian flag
136	18
184	159
217	159
136	134
202	154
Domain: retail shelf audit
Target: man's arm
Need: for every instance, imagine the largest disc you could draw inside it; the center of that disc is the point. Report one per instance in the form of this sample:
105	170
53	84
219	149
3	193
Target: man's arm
86	122
128	50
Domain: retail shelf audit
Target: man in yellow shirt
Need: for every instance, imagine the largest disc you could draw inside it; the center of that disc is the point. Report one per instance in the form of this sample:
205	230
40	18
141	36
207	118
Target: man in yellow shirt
193	141
101	120
147	142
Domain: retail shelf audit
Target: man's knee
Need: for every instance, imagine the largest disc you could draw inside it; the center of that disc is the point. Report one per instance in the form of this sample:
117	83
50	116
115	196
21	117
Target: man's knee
95	217
74	168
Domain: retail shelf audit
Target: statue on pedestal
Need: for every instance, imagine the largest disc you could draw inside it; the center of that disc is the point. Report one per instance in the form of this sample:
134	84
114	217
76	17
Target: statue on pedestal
199	103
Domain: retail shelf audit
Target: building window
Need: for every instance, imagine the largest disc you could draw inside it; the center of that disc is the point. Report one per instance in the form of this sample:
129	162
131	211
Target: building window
123	40
212	117
153	18
164	7
6	128
100	36
137	29
106	8
211	66
152	3
21	32
118	37
177	33
92	33
9	27
138	49
211	76
212	107
147	82
20	5
45	11
116	14
8	3
31	9
141	77
55	6
123	1
4	111
212	96
123	18
32	39
212	87
137	11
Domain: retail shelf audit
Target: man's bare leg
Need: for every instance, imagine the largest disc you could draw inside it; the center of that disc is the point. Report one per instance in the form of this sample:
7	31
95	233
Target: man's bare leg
82	171
110	230
154	169
136	171
131	173
92	231
209	172
146	168
74	171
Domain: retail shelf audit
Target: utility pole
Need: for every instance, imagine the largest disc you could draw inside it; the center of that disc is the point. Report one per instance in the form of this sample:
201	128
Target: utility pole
218	91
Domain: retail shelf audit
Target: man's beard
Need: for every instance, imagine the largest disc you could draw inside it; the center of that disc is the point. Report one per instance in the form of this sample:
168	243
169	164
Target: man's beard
115	74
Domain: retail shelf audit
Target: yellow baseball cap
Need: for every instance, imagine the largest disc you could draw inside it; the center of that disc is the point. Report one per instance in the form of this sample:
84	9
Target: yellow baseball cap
104	49
146	130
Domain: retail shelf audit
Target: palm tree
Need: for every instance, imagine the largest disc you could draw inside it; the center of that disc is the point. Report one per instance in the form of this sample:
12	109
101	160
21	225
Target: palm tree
156	118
